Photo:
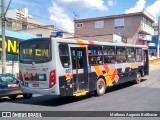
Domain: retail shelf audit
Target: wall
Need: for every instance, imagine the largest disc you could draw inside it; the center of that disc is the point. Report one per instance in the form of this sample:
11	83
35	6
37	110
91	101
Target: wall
132	27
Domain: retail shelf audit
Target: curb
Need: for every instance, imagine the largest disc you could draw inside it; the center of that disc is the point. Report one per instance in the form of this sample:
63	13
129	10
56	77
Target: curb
154	61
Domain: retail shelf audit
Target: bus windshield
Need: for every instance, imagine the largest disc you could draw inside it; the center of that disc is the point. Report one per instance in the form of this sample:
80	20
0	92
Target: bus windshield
37	51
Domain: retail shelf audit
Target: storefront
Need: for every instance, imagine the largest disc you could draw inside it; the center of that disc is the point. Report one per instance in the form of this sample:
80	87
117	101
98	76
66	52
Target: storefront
153	46
12	41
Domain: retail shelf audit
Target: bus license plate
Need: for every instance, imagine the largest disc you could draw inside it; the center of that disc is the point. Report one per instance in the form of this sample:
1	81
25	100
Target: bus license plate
35	85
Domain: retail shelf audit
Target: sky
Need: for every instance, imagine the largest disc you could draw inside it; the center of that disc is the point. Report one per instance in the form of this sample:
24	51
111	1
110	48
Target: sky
62	13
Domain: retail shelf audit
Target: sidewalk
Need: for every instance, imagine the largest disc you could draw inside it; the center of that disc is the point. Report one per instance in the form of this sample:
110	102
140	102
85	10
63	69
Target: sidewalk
152	58
154	61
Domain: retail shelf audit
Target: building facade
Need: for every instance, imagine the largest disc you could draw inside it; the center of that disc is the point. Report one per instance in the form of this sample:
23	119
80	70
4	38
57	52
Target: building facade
43	31
134	28
154	45
20	20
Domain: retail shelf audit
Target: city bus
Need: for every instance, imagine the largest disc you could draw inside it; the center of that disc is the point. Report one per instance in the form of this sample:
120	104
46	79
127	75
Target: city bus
70	67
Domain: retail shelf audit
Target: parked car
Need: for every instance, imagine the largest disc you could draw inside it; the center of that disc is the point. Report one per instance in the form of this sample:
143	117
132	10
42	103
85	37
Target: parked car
9	86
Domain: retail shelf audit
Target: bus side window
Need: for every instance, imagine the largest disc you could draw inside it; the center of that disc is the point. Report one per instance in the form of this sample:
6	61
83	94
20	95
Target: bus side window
130	54
121	55
95	55
109	54
138	54
64	55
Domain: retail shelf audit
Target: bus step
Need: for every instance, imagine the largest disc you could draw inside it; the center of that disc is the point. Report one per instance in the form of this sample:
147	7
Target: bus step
80	93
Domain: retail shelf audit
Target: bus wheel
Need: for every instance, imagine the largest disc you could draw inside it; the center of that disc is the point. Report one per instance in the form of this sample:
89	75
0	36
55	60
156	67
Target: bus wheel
12	97
138	78
27	95
101	87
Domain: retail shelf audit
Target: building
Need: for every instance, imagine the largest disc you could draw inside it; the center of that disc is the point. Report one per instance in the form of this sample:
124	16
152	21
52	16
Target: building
155	27
47	31
43	31
154	45
20	20
134	28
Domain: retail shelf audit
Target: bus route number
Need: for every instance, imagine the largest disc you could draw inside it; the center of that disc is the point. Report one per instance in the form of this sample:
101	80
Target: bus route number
68	71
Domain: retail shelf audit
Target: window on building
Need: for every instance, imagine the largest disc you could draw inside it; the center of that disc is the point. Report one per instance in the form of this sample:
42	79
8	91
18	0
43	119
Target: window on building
109	54
144	20
95	55
130	54
9	24
99	24
24	25
39	35
138	54
119	23
79	25
64	55
121	55
147	22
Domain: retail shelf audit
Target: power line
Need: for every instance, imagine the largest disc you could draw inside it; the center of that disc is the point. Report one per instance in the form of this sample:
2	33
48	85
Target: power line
7	7
49	19
46	18
90	30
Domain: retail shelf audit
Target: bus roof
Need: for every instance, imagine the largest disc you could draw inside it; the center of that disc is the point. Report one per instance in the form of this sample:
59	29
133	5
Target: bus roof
89	42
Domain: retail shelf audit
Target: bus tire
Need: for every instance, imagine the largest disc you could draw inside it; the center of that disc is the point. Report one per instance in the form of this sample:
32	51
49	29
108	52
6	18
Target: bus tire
12	97
138	78
27	95
101	87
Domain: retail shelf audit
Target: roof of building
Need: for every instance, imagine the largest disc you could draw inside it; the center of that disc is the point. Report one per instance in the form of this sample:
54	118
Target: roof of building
143	13
22	36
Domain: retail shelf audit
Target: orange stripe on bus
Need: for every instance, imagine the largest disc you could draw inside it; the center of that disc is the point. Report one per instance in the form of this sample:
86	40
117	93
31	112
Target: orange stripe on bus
87	52
81	43
111	70
106	68
114	74
108	80
109	77
116	78
98	70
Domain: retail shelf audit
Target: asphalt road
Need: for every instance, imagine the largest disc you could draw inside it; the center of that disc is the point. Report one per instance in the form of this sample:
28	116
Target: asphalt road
125	97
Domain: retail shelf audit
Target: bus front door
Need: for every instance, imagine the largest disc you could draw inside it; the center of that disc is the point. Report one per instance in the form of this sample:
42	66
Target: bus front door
146	62
79	66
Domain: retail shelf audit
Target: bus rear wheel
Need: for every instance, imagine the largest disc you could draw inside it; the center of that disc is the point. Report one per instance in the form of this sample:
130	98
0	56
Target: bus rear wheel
101	87
138	78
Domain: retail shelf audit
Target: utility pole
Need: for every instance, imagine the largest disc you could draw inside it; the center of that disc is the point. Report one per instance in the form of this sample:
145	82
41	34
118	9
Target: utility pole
158	37
3	54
